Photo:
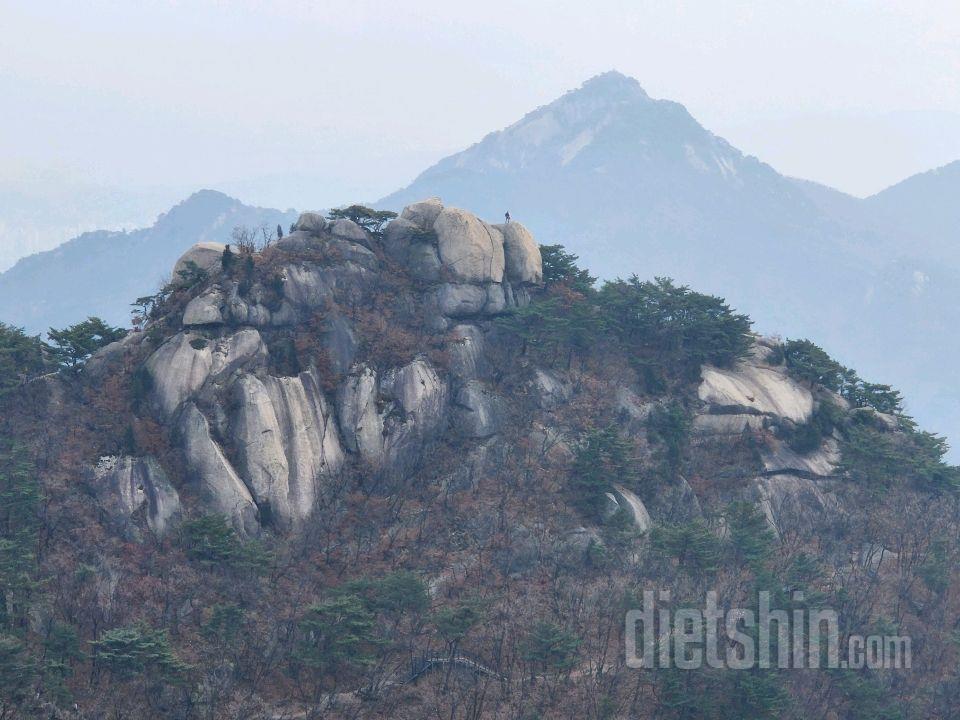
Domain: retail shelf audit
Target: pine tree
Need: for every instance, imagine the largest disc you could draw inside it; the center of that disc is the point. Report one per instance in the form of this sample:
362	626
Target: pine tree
21	357
337	635
550	647
20	499
74	345
602	459
127	652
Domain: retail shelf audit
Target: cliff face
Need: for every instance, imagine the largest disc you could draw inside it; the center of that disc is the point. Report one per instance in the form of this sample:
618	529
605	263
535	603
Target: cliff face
425	399
261	446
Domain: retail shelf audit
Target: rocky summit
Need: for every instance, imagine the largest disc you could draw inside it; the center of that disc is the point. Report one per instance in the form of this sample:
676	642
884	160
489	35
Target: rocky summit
422	466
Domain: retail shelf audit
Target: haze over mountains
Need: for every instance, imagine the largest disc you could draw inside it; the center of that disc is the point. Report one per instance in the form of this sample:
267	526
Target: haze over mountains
635	185
101	273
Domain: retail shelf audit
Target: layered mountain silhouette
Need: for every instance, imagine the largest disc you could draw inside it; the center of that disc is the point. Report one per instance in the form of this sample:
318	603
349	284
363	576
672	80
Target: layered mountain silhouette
101	273
633	185
636	185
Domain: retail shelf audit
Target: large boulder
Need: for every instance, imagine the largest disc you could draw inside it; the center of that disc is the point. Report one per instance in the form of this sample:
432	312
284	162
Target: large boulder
423	262
208	467
308	287
461	299
469	248
423	214
207	256
348	230
251	310
107	360
521	254
123	485
205	309
310	222
350	251
414	247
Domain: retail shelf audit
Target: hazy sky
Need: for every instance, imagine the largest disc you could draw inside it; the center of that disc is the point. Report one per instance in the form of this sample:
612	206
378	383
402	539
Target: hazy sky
311	103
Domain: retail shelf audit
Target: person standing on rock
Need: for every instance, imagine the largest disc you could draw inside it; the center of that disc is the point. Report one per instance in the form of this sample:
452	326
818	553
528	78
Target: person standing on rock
506	217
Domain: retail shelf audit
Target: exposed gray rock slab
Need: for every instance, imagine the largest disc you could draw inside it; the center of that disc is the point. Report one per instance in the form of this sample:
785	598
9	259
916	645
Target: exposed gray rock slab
726	424
312	287
479	411
340	343
415	248
466	351
424	262
106	359
420	399
125	484
181	366
224	491
631	408
628	500
387	420
353	252
778	457
761	389
794	504
421	392
263	462
287	441
550	389
307	286
178	370
361	418
299	241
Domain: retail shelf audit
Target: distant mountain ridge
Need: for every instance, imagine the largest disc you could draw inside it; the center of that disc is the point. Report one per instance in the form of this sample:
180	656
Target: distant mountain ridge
100	273
633	185
636	185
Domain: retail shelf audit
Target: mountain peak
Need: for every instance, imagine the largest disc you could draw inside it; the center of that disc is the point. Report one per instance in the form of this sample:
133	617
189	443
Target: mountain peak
201	204
607	127
612	83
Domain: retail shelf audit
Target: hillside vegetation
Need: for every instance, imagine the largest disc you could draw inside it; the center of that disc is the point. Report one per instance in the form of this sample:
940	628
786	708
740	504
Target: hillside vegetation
422	466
